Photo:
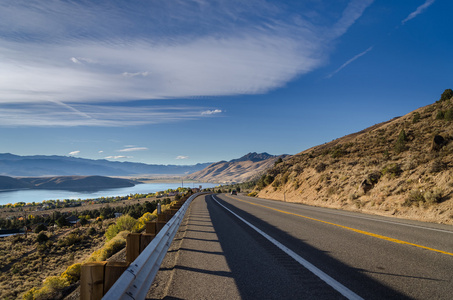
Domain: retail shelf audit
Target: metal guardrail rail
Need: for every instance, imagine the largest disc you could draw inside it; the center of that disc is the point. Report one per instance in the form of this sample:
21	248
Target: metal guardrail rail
135	282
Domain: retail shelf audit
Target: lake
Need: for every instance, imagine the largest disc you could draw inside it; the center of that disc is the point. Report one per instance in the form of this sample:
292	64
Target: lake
38	196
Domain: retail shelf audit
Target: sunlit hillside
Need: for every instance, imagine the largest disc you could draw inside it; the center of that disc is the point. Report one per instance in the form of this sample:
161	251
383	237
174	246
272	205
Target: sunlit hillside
402	167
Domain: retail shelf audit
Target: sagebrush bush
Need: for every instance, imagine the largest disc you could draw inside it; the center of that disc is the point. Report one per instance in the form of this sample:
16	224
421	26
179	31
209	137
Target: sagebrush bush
320	167
123	223
434	196
42	238
141	222
51	289
393	170
111	247
72	273
414	197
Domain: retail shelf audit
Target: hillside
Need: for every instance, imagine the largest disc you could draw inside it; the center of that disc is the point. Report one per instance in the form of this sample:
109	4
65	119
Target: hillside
42	165
402	167
236	170
73	183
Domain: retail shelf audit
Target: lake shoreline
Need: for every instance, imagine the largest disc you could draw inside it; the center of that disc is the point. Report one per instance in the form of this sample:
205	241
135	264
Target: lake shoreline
40	195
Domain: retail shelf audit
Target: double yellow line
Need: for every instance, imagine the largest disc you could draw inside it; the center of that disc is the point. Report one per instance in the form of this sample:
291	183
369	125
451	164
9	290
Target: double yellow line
382	237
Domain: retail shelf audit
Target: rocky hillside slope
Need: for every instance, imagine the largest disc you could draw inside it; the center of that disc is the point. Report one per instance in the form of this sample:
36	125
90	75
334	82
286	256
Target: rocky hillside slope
402	167
236	170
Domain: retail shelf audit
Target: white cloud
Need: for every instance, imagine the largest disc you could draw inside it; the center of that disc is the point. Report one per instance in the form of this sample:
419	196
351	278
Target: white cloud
50	52
57	114
133	149
75	60
211	112
349	61
74	153
100	151
418	11
117	157
182	157
143	74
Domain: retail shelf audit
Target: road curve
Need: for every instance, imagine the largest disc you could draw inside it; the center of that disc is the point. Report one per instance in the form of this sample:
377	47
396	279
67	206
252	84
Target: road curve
220	253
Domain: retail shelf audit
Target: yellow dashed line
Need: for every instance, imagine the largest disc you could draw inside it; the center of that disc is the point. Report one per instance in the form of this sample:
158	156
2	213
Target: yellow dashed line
382	237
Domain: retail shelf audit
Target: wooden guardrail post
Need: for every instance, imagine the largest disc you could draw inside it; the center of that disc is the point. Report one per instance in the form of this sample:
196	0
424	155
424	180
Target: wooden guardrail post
92	280
146	238
113	271
132	246
151	227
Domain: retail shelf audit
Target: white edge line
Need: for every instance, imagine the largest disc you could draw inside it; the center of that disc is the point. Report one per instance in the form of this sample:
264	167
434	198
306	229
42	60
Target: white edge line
323	276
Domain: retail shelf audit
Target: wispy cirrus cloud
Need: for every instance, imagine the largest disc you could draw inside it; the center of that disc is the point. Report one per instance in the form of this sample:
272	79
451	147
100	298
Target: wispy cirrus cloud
418	11
74	153
151	50
211	112
53	114
182	157
133	149
349	61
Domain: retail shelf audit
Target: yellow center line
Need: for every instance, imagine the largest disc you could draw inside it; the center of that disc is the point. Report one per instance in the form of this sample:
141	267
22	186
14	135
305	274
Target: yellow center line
382	237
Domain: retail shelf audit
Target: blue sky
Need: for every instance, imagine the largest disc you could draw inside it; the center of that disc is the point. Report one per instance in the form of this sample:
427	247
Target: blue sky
184	82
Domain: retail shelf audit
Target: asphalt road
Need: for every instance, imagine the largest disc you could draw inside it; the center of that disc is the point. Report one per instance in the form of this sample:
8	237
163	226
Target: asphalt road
305	253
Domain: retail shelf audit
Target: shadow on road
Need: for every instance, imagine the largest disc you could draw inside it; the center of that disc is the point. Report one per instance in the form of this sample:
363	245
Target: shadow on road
263	271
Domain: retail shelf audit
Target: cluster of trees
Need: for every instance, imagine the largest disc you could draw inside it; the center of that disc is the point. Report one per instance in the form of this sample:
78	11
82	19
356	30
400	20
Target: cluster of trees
51	204
60	220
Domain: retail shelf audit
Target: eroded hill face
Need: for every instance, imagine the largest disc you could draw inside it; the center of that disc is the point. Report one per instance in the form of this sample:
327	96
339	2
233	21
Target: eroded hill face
236	170
402	167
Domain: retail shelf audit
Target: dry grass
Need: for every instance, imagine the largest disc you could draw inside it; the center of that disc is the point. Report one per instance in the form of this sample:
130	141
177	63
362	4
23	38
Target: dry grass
378	170
26	264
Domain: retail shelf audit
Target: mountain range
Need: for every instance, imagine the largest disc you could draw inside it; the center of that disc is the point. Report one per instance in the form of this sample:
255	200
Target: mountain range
42	165
236	170
72	183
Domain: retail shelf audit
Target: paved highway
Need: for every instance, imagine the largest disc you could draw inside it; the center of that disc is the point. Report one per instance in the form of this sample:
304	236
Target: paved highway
237	247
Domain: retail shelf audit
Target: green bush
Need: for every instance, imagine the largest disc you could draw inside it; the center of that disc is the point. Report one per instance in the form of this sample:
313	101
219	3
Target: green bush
40	227
446	95
70	239
440	115
123	223
400	144
393	170
449	115
42	238
416	117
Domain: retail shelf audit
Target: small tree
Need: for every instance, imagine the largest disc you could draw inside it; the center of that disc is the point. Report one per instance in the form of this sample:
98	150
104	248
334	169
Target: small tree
61	222
83	221
40	227
400	144
446	95
416	117
42	238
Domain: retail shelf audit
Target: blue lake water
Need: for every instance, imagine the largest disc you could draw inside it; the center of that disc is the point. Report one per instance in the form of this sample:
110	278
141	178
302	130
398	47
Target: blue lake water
38	196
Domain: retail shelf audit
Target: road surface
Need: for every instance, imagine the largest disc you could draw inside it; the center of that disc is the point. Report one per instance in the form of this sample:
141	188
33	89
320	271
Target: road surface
238	247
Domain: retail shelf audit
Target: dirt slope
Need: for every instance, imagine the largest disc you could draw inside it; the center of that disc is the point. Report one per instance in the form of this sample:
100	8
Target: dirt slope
402	167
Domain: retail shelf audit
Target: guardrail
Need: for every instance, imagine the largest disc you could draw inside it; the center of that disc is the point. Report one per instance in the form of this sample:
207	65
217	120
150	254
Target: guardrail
135	282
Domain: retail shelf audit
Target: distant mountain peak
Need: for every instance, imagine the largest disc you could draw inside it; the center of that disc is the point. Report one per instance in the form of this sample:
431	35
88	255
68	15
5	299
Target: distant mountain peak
253	156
